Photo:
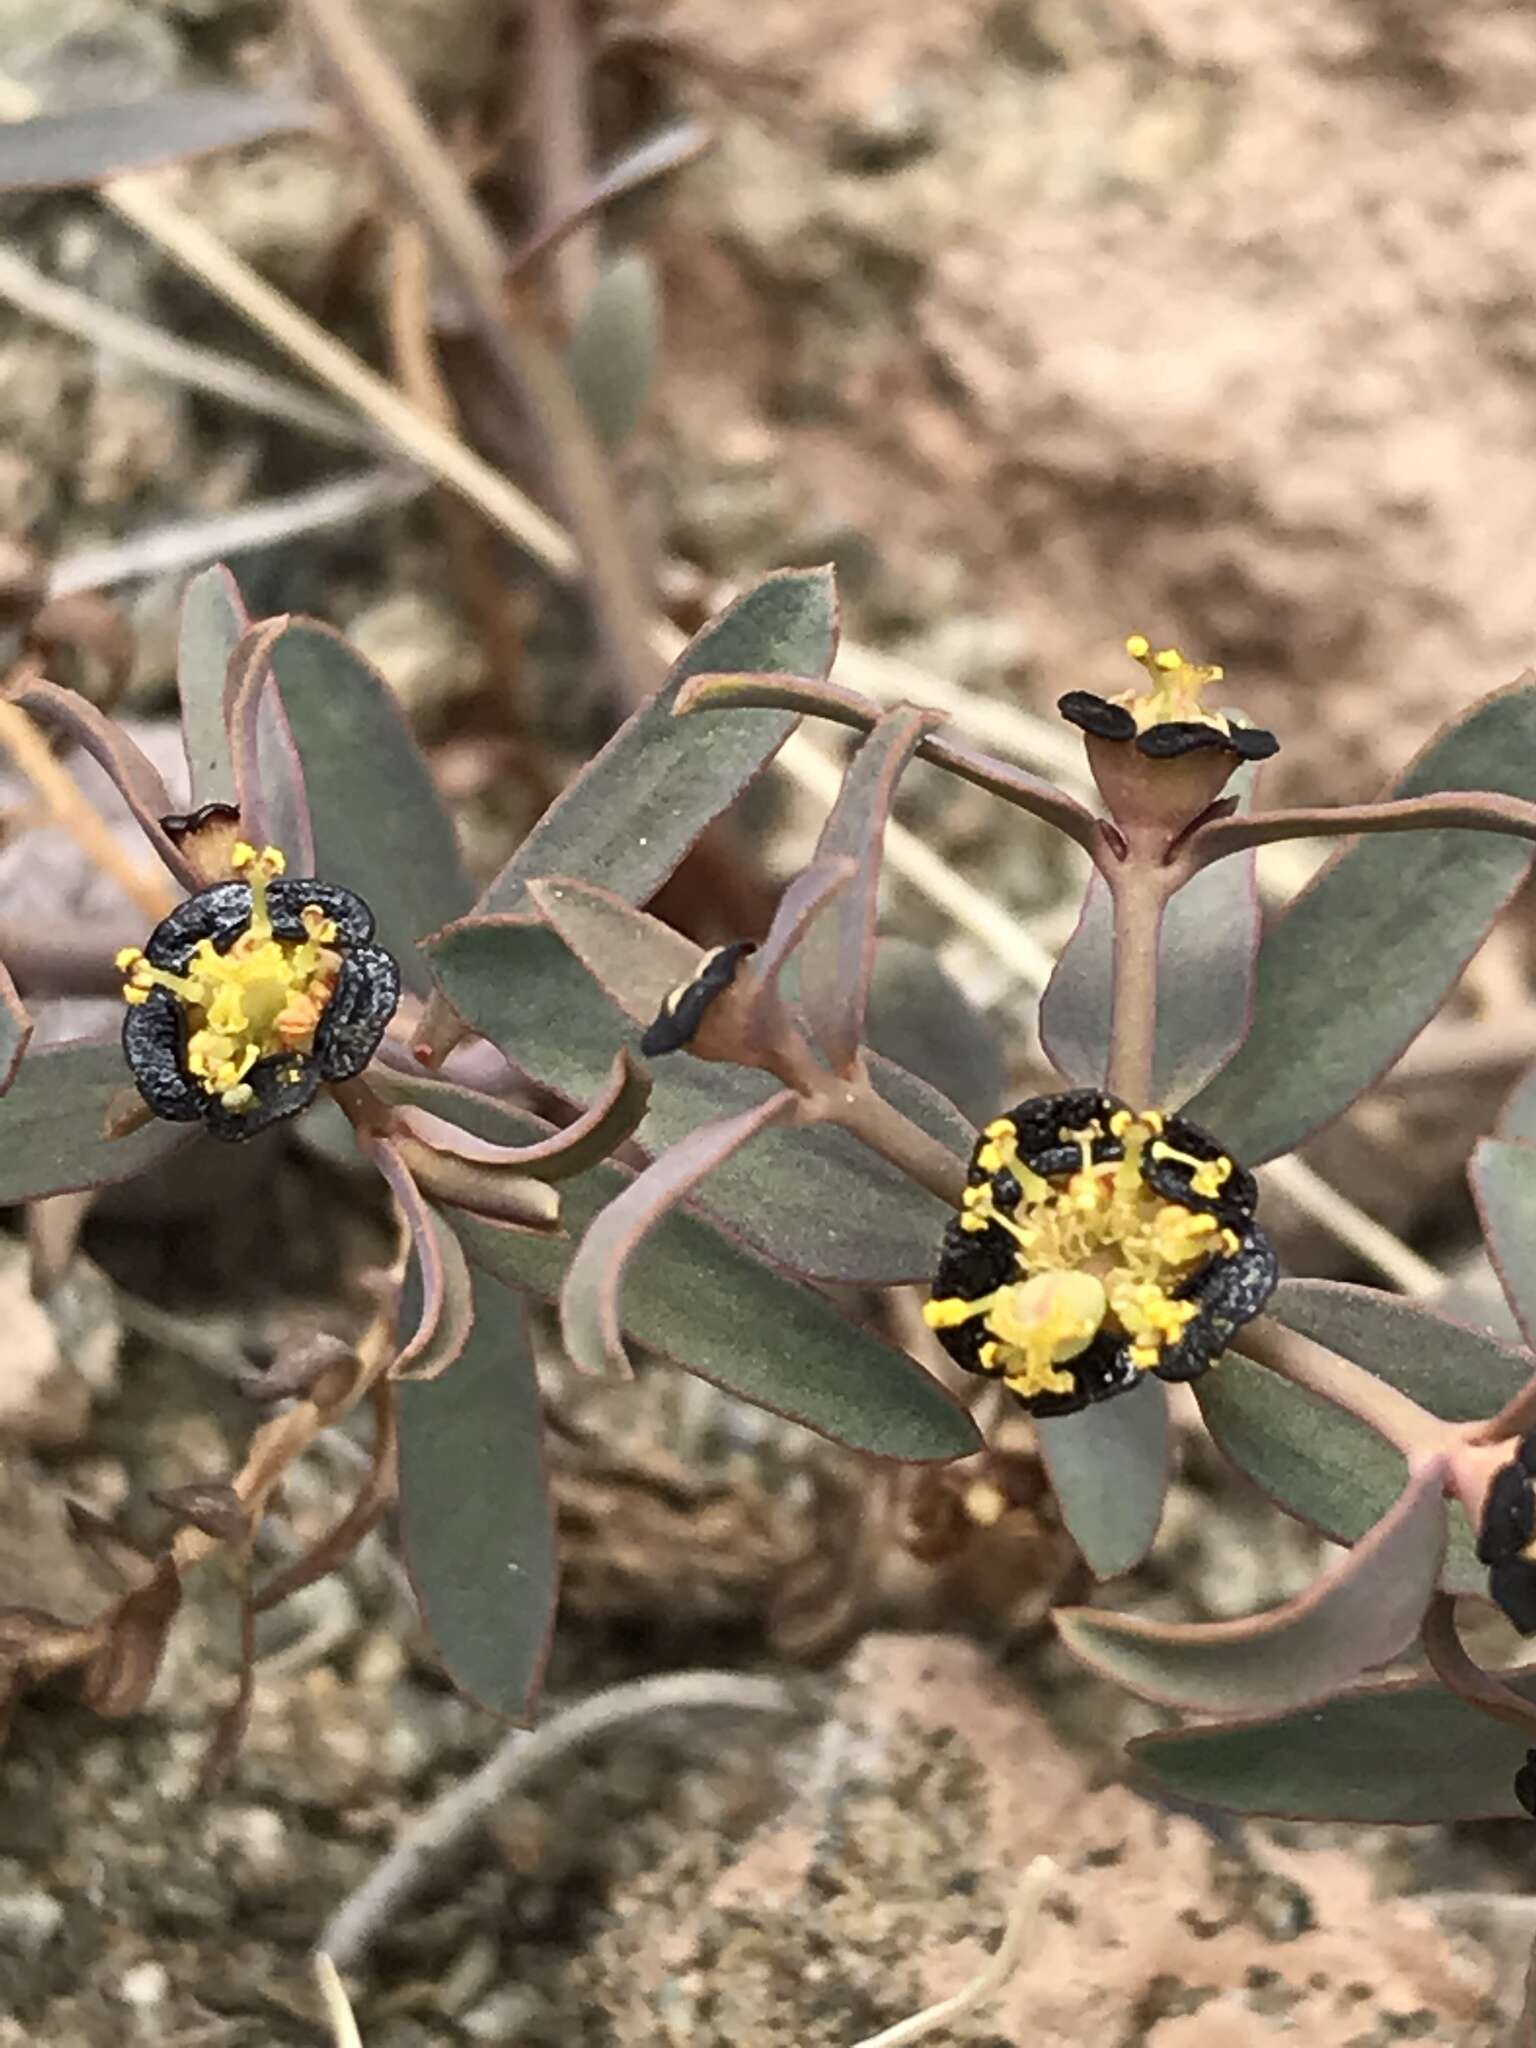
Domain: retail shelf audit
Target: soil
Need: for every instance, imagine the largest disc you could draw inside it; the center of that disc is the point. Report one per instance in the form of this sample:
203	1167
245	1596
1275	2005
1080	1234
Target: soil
1047	320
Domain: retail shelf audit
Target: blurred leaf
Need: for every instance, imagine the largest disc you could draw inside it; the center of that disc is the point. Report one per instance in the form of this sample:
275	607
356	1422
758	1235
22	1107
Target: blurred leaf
614	346
1369	951
51	1124
1316	1462
213	622
590	1320
1399	1752
1459	1374
715	1308
838	952
1504	1184
53	151
1517	1119
380	827
1363	1611
922	1019
15	1030
476	1522
1108	1469
635	810
1206	962
814	1199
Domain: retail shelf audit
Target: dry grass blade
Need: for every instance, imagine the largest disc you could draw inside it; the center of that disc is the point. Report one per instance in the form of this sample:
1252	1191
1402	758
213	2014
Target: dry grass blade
990	1979
184	544
203	369
338	2008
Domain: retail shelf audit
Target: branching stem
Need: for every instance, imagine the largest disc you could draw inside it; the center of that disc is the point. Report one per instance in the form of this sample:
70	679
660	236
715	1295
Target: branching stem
1464	810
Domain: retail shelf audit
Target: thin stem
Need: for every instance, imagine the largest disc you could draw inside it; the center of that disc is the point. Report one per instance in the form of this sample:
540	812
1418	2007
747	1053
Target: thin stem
1139	891
1469	1681
1470	811
1515	1419
1345	1385
559	93
856	1106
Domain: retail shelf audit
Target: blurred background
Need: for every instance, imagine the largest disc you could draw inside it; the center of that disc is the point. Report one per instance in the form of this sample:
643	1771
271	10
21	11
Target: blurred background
1046	321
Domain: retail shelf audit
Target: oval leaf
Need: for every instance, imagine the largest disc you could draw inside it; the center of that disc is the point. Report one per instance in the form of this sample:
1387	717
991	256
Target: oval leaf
1403	1752
614	346
635	810
1360	1614
1370	950
213	621
380	827
51	1124
1504	1183
476	1522
1108	1469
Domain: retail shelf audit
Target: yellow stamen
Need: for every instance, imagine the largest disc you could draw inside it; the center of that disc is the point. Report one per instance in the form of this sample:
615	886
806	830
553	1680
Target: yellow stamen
1174	698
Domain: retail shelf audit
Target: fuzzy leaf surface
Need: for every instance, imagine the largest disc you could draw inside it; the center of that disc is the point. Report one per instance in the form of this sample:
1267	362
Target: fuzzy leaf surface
380	827
1457	1373
1319	1464
1108	1468
1363	1611
1398	1752
632	814
51	1124
476	1518
1367	953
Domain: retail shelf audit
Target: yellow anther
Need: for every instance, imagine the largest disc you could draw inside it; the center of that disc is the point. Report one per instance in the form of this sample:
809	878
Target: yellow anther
130	956
1138	646
1176	685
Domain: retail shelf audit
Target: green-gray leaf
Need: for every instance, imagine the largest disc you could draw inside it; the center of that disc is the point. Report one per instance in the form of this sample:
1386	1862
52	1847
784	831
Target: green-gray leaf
1403	1752
814	1199
1316	1462
614	346
634	811
476	1519
1457	1373
921	1019
212	622
1360	1613
1504	1182
53	151
380	827
1368	953
51	1124
1108	1469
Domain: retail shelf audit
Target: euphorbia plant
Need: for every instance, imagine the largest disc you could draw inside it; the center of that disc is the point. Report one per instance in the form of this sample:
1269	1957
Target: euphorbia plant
1079	1248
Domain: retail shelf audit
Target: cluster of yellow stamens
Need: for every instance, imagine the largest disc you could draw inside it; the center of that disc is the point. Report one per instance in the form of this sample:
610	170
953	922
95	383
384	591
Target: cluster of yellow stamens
1097	1249
265	995
1174	698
